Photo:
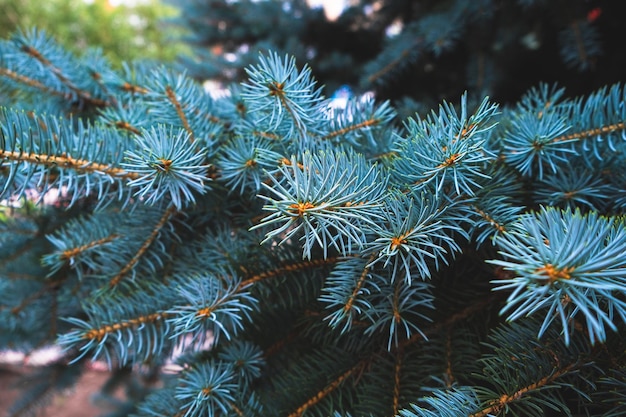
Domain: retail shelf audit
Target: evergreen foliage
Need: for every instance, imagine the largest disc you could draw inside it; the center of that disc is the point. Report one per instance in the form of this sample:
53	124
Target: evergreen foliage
419	52
309	260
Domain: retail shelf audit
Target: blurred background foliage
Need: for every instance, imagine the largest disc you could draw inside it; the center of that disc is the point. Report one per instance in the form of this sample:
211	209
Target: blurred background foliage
415	53
125	32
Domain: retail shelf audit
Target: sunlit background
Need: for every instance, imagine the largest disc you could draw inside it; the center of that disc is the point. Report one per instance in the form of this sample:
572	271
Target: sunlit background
332	8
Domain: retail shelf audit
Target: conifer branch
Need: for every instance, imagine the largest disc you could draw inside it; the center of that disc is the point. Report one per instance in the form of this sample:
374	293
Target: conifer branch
133	88
45	289
457	317
505	400
168	269
492	222
283	97
352	128
281	343
395	300
400	348
580	44
124	125
297	266
397	370
83	95
182	412
359	284
268	135
22	276
22	232
54	316
236	409
32	83
76	251
598	131
144	247
449	374
99	334
171	96
27	246
393	64
276	89
68	162
215	119
332	386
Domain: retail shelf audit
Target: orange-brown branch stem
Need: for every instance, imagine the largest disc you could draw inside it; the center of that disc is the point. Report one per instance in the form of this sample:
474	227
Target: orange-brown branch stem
604	130
326	391
98	334
390	66
171	95
357	126
144	247
31	83
358	286
84	95
315	263
64	161
498	226
396	380
505	399
71	253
